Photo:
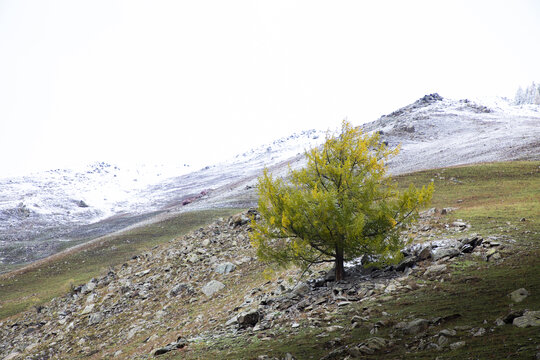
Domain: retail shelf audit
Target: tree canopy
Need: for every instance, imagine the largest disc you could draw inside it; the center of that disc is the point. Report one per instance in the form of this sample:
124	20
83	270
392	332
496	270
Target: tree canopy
341	206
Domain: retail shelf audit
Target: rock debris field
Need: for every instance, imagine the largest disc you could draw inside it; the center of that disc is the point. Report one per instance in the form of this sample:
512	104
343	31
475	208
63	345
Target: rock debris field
147	303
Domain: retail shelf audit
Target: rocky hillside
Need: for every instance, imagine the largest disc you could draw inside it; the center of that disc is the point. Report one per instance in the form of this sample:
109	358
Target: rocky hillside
44	213
205	288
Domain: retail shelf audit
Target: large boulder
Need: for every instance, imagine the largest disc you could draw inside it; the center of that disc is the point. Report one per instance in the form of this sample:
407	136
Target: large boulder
529	318
212	287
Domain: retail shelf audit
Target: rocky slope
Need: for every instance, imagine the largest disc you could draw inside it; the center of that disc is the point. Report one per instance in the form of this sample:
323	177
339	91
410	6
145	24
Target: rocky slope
204	287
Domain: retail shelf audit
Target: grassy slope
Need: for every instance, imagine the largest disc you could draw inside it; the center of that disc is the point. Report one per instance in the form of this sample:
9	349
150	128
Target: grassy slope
53	278
492	198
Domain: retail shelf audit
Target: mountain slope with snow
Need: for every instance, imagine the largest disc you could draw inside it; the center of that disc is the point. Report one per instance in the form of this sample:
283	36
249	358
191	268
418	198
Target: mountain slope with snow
40	213
435	132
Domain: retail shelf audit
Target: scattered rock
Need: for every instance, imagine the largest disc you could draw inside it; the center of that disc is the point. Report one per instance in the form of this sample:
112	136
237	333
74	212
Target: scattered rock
448	332
13	355
457	345
88	309
212	287
478	332
301	289
529	318
435	270
238	220
518	295
248	319
407	262
81	204
178	289
413	327
508	319
369	347
95	318
225	268
425	253
439	253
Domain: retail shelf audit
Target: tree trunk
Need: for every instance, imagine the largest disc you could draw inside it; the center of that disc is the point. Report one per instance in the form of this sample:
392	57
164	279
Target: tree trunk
340	270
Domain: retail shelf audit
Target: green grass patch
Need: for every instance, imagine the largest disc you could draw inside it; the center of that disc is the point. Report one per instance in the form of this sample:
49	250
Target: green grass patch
54	278
500	198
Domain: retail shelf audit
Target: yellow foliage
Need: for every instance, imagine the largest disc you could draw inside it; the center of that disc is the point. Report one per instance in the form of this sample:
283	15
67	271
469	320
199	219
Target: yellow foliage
341	204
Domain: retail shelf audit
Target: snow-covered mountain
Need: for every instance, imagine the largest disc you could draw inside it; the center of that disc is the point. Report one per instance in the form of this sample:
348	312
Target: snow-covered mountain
435	132
40	212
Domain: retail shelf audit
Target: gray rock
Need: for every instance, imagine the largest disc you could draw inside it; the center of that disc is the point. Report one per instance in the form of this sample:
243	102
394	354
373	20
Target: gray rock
529	318
518	295
443	340
81	204
369	347
509	319
301	289
467	248
472	241
238	220
479	332
95	318
425	253
225	268
439	253
178	289
434	270
448	332
89	287
212	287
178	344
457	345
88	309
407	262
12	356
193	258
413	327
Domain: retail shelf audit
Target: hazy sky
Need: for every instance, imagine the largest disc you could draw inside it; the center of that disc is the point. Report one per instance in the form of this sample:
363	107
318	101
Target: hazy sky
190	81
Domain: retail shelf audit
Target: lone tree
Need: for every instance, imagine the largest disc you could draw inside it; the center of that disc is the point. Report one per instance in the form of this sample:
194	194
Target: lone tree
342	205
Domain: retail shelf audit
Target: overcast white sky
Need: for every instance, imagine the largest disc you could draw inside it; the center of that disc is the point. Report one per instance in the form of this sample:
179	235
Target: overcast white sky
199	81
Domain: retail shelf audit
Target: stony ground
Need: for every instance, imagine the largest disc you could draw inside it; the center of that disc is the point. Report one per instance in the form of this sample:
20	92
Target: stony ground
204	292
